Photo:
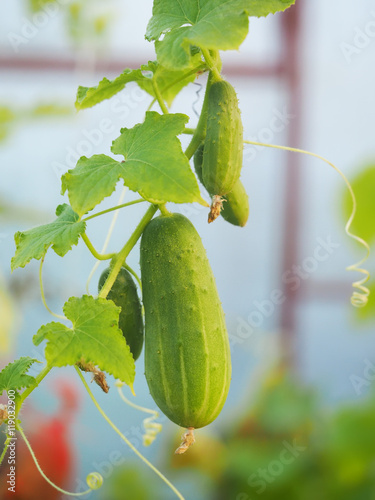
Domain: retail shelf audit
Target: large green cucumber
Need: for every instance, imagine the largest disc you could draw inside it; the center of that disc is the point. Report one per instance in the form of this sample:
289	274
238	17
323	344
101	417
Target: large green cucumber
223	148
236	207
124	294
187	356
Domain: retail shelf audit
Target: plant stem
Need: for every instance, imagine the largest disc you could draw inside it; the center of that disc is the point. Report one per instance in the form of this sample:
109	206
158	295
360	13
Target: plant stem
97	255
131	271
124	438
20	430
211	64
159	97
6	444
201	126
189	131
30	389
119	259
114	208
163	209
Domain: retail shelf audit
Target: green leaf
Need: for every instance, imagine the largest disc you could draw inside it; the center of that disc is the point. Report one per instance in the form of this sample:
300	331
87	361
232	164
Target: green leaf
89	96
364	189
13	376
155	164
62	234
144	77
91	181
94	337
210	24
262	8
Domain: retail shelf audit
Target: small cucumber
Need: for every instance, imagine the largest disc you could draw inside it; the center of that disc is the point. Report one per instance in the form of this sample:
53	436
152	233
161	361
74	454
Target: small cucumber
235	209
223	147
187	356
124	294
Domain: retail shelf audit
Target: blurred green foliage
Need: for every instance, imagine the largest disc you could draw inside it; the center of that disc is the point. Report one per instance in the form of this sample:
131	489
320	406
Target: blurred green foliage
11	117
285	446
85	20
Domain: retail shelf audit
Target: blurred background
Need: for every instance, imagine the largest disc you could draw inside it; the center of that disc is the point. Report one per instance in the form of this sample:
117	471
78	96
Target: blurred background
300	417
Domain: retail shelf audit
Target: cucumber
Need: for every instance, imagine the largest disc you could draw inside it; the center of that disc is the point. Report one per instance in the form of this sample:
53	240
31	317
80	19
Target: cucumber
124	294
235	209
223	147
187	356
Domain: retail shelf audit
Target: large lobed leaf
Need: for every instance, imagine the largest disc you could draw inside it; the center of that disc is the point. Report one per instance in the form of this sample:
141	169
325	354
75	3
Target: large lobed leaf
94	337
210	24
154	165
62	234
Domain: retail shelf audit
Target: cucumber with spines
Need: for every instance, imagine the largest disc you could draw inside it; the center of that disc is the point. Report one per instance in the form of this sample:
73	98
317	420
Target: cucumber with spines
187	356
223	146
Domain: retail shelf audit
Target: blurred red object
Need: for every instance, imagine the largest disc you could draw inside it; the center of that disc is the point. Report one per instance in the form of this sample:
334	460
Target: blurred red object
50	438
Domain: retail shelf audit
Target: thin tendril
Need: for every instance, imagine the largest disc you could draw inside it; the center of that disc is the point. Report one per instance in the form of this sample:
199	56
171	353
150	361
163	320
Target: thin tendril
94	480
124	438
59	316
107	239
359	296
152	428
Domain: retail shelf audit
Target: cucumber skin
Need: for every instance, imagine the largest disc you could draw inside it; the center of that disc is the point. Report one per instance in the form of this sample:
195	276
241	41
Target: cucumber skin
187	355
236	207
124	294
223	147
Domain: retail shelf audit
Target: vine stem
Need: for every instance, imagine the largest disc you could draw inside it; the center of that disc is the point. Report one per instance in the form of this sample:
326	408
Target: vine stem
24	395
59	316
358	299
131	446
95	477
131	271
6	444
107	238
96	254
189	131
163	209
211	64
30	389
140	200
159	97
119	259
